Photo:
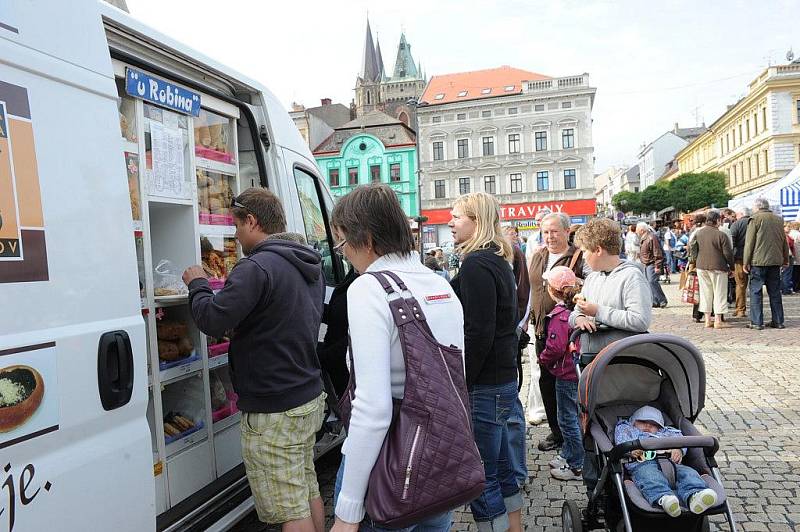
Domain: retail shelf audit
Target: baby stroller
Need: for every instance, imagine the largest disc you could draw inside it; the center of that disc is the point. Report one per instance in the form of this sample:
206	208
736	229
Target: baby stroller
664	371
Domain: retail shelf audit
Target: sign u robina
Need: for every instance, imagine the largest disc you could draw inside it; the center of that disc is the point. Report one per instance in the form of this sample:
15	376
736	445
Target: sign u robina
161	92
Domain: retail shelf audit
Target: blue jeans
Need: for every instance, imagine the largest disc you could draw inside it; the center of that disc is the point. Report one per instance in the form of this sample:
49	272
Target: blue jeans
653	484
491	407
786	280
516	442
655	287
771	277
437	523
572	448
669	261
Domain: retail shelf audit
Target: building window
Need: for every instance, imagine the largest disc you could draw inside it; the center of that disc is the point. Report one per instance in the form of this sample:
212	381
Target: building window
766	162
741	137
462	94
438	151
436	119
375	173
755	124
516	183
513	143
764	118
438	189
513	110
352	176
488	145
486	91
463	148
541	140
566	105
461	116
727	142
463	185
721	147
542	181
394	172
570	180
568	138
489	185
758	167
486	114
747	124
333	177
538	107
439	96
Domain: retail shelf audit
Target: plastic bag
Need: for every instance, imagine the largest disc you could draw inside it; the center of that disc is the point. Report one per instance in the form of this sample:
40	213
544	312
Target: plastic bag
167	281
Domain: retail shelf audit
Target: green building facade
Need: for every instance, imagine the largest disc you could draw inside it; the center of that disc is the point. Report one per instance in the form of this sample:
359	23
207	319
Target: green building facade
371	149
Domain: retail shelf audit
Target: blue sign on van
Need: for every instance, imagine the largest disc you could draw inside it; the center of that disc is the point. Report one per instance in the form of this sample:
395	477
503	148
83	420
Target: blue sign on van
161	92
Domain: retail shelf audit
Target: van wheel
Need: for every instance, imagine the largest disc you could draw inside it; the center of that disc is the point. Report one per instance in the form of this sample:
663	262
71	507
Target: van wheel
571	517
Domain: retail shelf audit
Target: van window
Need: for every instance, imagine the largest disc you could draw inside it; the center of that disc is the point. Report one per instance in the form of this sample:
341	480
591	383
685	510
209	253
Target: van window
248	163
315	221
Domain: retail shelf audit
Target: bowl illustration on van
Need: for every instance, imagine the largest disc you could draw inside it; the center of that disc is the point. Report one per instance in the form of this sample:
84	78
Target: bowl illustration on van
21	392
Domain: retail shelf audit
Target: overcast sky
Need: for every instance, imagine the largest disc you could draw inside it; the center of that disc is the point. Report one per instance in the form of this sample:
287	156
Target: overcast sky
653	63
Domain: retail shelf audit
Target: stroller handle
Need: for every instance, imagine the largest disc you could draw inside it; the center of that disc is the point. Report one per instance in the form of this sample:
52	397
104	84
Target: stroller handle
576	333
710	445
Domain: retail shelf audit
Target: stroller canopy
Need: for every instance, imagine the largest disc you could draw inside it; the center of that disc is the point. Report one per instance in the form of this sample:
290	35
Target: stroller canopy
633	369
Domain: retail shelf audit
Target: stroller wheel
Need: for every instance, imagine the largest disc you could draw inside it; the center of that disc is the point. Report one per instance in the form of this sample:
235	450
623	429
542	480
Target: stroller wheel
571	517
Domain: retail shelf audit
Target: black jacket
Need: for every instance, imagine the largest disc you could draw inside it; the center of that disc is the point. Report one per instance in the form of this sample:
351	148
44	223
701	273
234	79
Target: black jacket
272	302
738	234
487	290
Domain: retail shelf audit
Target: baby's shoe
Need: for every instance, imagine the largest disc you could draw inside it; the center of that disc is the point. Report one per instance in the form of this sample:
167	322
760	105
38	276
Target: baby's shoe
702	500
671	505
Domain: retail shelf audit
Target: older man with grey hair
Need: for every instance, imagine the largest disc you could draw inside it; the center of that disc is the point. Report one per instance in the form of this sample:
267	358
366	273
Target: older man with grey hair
765	251
557	251
738	233
651	256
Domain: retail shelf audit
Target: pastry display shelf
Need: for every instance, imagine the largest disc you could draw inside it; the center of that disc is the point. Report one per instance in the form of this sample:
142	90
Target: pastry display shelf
171	301
170	201
130	147
218	361
217	230
216	166
186	439
229	421
190	369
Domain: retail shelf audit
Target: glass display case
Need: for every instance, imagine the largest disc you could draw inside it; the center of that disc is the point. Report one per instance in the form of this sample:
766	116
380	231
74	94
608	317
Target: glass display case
126	106
213	139
184	413
215	193
177	338
218	255
223	398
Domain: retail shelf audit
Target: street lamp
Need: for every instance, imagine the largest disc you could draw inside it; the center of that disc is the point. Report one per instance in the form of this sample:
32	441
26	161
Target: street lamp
415	104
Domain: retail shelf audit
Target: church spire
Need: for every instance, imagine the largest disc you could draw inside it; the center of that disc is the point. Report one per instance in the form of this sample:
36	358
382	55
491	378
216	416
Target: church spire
404	66
369	62
379	58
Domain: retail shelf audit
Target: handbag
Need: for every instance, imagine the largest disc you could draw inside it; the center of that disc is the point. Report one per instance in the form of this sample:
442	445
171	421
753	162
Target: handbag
691	293
428	463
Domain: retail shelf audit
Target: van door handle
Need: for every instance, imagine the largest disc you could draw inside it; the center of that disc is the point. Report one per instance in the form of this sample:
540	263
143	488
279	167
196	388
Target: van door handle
115	369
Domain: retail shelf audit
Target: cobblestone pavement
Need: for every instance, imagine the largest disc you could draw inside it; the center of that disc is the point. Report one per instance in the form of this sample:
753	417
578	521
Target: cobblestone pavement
752	405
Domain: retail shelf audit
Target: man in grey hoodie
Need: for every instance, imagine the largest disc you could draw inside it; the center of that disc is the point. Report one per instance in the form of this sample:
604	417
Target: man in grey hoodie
616	294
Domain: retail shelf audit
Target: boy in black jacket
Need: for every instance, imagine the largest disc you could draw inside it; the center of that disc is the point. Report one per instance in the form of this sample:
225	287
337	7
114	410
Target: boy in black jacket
272	302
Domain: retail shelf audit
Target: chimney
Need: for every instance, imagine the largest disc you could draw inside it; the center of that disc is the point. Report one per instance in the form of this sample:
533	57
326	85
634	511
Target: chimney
326	101
676	127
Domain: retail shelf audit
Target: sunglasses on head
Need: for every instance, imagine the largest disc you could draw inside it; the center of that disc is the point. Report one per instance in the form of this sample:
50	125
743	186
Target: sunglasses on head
236	203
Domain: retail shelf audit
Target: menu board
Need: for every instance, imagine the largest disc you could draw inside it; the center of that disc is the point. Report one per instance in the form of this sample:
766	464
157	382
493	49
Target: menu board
167	178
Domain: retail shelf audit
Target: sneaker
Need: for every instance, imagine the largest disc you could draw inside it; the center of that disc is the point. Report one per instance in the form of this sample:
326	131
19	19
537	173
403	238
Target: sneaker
548	444
756	326
558	462
671	505
535	420
565	472
773	325
702	500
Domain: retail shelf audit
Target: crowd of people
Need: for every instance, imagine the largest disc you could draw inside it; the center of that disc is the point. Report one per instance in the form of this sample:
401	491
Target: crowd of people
507	297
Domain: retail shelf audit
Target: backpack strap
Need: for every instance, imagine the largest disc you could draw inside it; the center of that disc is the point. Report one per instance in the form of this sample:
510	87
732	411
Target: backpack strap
404	309
575	258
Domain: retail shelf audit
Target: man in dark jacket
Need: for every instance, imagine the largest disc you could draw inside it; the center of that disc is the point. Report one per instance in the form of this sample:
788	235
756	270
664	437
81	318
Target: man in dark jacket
738	234
765	251
651	255
557	252
272	303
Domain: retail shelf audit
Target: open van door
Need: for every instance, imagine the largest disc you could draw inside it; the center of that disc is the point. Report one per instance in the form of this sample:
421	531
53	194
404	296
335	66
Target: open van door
74	439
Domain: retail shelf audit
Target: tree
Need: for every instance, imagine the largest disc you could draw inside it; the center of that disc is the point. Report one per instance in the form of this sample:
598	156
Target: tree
627	201
692	191
656	197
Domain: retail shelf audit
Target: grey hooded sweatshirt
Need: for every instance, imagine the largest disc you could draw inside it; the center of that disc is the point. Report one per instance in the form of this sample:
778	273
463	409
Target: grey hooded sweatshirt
625	302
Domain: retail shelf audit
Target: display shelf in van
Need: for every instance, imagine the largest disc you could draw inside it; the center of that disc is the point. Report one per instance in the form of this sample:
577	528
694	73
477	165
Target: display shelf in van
130	147
170	201
186	439
171	301
168	376
215	229
222	166
228	421
217	361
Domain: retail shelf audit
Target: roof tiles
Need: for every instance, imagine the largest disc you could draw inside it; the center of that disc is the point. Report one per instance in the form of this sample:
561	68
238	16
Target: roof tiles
473	85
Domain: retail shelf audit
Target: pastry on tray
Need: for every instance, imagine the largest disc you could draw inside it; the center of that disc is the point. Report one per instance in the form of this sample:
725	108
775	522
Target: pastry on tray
21	393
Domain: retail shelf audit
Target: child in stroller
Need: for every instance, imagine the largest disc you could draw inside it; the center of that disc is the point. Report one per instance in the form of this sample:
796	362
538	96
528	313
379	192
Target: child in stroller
648	422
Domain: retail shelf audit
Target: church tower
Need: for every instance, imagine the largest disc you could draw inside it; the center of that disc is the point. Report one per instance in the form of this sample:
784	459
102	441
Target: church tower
369	78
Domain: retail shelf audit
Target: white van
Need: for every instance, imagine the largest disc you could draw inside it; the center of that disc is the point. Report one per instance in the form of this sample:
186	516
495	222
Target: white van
120	153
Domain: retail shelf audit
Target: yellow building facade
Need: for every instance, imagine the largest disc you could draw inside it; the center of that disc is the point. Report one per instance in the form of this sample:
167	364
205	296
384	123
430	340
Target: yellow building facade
757	140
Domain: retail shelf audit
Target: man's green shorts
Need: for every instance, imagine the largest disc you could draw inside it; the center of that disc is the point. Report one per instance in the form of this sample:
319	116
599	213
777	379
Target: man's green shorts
278	453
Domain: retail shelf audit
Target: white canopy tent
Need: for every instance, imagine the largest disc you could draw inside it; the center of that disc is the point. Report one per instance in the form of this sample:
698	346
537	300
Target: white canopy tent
783	196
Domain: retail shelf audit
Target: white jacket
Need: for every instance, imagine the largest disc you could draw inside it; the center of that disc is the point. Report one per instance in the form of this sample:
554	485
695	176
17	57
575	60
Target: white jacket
379	366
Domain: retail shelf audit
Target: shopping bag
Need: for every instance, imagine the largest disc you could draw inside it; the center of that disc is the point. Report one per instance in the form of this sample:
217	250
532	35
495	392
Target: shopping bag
691	293
684	275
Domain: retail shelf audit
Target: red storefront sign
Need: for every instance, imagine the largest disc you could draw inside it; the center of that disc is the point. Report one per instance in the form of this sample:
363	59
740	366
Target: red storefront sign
524	211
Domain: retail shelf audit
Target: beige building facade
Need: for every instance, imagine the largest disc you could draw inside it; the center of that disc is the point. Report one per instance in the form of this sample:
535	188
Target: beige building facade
757	140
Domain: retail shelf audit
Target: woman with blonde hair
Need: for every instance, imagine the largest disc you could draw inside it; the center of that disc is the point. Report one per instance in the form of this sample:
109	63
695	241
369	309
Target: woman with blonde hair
486	287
